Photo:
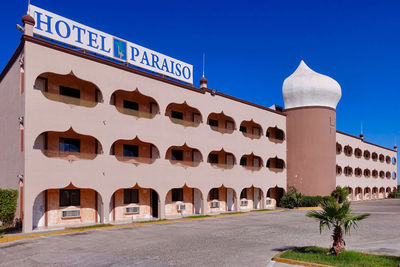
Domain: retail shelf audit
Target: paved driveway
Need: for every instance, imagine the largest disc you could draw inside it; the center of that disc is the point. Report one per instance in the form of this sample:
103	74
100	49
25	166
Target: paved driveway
246	240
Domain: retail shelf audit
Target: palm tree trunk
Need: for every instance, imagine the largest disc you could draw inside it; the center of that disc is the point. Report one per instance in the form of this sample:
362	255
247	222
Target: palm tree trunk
338	241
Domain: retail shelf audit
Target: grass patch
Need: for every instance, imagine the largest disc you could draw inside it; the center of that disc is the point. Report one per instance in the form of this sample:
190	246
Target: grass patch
151	221
198	216
263	210
232	213
89	226
345	259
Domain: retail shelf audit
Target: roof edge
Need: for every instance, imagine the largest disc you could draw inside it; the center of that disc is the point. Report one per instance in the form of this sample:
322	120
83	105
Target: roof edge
369	143
12	60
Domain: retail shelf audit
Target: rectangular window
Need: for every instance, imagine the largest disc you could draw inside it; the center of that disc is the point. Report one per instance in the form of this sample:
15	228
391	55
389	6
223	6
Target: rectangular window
70	197
213	158
243	161
177	194
256	131
243	194
131	105
229	159
256	162
176	154
213	122
196	118
131	196
243	129
70	145
131	151
71	92
177	115
214	194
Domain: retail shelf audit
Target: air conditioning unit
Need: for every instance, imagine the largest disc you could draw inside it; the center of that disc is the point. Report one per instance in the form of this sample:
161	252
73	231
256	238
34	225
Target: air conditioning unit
180	207
214	205
71	213
244	202
132	209
268	202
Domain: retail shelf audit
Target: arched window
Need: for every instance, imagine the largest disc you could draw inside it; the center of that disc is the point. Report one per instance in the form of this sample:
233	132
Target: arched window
394	175
375	173
348	171
374	156
183	114
348	151
381	158
387	159
275	164
367	173
382	174
338	148
222	123
393	160
358	153
388	175
367	154
275	134
338	170
358	172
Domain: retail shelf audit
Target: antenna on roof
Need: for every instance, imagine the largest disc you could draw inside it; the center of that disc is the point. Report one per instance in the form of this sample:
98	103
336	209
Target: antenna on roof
29	3
361	134
204	62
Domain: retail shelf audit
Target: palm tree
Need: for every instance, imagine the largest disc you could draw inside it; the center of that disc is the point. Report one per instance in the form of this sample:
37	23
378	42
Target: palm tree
337	217
340	193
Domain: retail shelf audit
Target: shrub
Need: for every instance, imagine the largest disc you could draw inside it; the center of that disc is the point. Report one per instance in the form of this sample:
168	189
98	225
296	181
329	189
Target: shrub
340	194
309	201
292	199
8	206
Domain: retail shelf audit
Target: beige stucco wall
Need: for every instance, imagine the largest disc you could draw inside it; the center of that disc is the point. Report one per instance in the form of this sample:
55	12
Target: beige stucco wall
11	107
105	173
362	163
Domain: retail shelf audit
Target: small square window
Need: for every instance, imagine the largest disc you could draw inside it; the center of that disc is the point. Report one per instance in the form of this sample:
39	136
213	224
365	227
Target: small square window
70	197
71	92
243	161
177	115
213	158
176	154
243	129
70	145
177	194
214	194
213	122
131	196
131	151
131	105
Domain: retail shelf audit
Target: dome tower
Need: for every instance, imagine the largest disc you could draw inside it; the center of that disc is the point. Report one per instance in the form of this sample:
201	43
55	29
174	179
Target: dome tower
310	105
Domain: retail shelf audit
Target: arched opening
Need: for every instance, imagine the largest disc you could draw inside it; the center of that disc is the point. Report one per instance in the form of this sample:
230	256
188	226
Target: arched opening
358	193
184	114
68	89
358	153
221	199
350	193
338	149
388	191
381	158
251	162
251	198
276	164
184	156
382	174
394	176
348	151
388	175
367	154
374	193
134	103
134	151
387	159
367	193
348	171
275	134
382	192
375	174
183	201
251	129
394	160
69	205
274	196
221	123
358	172
221	159
338	170
367	173
374	156
68	145
135	203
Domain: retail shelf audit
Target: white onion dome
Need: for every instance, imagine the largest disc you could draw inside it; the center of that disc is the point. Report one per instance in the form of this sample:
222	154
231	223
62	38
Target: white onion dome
306	87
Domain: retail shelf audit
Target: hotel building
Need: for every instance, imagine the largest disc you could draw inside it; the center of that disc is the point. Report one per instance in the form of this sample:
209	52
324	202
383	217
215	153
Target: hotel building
90	140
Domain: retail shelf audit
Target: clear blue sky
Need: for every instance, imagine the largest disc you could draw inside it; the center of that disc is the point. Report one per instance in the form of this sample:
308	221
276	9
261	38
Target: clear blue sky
251	48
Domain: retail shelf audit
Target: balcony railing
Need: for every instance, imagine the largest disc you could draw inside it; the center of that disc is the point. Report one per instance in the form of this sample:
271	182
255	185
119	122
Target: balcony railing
221	129
136	160
136	113
70	100
184	123
70	156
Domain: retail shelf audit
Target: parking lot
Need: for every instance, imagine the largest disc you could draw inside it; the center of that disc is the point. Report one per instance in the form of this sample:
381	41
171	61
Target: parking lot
240	240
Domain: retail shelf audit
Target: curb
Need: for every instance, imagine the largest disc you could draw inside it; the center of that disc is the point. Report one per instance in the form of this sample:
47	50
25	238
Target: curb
11	238
308	208
296	262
